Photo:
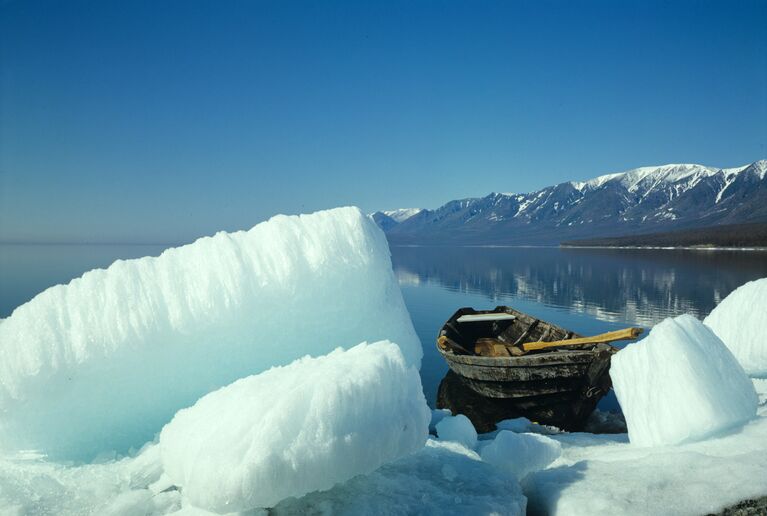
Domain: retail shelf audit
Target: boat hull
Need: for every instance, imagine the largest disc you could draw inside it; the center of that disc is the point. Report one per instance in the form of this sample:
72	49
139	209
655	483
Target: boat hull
560	387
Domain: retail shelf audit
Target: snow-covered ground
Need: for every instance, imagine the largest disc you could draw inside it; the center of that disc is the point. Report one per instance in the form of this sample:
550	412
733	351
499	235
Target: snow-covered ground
680	384
342	431
595	474
605	474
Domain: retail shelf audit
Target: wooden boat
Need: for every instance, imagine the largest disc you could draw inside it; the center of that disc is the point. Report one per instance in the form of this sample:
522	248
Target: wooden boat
518	365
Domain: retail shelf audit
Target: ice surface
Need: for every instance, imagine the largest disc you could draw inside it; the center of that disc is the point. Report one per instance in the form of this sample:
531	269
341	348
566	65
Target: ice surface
596	474
521	454
30	487
437	415
457	429
296	429
679	384
444	478
104	362
517	424
604	474
740	321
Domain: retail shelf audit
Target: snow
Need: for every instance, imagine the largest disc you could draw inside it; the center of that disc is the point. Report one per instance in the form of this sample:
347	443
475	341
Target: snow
441	478
444	478
517	424
457	429
297	429
729	176
402	214
680	384
740	321
437	415
521	453
32	486
604	474
595	182
657	175
760	168
104	362
663	174
596	474
522	425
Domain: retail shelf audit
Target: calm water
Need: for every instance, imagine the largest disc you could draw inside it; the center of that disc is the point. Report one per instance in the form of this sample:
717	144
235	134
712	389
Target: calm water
589	291
586	290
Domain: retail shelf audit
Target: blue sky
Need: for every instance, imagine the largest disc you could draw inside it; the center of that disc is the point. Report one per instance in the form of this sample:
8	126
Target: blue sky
162	121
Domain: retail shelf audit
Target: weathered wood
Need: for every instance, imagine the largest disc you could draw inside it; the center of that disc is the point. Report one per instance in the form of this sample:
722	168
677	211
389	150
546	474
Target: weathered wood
498	373
547	359
612	336
491	348
524	336
485	317
559	385
445	343
545	334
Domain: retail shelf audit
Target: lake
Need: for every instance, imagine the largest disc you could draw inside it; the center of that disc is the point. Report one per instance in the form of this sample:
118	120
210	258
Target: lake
589	291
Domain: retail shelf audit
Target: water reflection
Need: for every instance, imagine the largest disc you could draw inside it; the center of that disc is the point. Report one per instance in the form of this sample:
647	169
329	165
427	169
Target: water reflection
639	287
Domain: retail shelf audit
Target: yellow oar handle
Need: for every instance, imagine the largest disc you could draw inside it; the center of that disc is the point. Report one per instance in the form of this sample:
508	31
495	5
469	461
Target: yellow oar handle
612	336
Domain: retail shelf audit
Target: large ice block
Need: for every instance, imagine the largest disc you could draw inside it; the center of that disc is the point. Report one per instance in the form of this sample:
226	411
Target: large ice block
740	321
104	362
297	429
680	384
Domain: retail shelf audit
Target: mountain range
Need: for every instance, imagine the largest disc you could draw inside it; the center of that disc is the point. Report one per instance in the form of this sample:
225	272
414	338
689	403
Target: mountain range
638	201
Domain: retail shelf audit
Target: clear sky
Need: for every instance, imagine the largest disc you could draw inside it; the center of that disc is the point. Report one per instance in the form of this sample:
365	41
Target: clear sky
160	121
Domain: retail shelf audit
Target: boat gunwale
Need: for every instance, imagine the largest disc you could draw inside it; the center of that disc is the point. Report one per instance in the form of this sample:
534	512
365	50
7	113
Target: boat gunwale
546	359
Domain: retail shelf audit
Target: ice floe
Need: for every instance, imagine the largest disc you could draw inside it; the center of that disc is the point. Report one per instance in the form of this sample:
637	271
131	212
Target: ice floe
296	429
104	362
521	453
679	384
457	429
740	321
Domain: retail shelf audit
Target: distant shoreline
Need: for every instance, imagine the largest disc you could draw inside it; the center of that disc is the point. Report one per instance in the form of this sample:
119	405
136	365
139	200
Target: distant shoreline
665	248
751	237
570	246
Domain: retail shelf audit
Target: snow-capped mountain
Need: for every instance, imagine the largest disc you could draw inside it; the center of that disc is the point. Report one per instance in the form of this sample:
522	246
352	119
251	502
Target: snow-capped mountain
402	214
388	219
642	200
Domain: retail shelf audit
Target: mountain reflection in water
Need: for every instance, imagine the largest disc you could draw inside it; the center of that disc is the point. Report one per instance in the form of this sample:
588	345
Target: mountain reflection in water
635	286
589	291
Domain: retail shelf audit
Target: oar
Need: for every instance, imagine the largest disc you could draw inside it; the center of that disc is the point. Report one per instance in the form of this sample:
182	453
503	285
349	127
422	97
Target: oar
611	336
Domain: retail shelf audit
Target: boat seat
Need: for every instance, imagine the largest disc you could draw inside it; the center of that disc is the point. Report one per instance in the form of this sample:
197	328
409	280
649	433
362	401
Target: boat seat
486	317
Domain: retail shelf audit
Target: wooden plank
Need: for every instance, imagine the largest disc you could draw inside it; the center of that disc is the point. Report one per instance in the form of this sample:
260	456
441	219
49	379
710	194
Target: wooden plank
545	334
491	348
485	317
626	334
446	344
530	328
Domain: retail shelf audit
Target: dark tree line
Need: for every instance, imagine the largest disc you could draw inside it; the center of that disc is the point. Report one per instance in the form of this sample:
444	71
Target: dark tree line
733	235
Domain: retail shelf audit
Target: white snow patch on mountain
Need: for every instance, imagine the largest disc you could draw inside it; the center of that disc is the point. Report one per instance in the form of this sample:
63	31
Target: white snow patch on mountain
633	179
761	168
594	183
402	214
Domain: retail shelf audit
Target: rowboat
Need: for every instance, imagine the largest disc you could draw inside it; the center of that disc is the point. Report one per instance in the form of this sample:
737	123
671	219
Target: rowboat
505	363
